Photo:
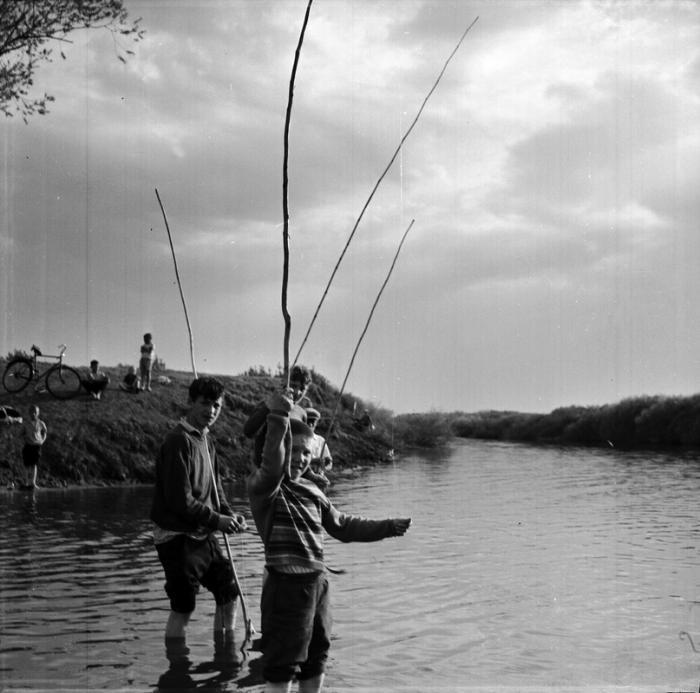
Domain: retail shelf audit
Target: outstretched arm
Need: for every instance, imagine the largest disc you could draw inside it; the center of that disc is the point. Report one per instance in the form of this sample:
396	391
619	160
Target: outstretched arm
353	528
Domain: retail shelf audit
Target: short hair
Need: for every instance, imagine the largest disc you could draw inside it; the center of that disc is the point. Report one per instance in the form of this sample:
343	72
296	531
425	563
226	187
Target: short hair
300	374
94	361
299	428
209	388
313	414
147	336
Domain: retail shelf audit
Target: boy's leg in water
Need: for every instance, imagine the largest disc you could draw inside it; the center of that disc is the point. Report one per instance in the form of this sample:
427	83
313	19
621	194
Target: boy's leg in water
312	685
177	625
225	619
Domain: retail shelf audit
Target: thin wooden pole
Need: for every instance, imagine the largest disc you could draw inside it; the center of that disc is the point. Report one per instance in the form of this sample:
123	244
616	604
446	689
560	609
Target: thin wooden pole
285	204
364	331
179	285
249	628
369	199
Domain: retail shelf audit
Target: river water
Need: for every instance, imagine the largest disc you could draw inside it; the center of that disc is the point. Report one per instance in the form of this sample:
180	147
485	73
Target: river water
526	569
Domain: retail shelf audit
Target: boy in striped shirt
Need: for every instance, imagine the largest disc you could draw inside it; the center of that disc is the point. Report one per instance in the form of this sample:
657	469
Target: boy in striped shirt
291	514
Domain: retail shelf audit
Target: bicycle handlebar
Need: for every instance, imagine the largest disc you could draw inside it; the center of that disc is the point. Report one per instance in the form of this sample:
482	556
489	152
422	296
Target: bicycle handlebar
38	352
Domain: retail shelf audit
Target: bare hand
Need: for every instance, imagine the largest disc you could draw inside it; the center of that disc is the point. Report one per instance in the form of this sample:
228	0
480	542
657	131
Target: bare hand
401	525
281	401
231	525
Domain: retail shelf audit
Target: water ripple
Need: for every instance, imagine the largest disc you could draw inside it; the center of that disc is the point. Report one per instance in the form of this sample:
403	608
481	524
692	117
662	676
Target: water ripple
524	567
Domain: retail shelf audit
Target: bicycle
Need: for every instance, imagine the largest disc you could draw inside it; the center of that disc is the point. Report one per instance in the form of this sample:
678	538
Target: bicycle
62	381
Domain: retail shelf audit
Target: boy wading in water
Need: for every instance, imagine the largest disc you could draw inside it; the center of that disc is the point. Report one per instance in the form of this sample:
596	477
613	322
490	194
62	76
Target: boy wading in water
186	518
291	513
34	437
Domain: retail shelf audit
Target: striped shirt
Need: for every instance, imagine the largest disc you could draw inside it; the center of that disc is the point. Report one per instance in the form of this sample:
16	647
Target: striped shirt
291	516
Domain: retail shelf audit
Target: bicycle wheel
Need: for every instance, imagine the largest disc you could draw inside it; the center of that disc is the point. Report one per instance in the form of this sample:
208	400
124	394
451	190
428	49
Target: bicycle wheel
18	374
63	382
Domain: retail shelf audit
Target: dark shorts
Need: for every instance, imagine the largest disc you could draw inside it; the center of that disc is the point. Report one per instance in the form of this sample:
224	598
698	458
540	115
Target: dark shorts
31	455
94	385
188	564
296	624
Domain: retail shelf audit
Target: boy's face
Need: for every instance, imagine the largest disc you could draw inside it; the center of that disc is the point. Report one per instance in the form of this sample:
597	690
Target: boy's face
298	389
301	456
204	412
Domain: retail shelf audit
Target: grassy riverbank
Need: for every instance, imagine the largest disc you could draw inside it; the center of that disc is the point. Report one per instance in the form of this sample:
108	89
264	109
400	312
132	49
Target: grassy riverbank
115	440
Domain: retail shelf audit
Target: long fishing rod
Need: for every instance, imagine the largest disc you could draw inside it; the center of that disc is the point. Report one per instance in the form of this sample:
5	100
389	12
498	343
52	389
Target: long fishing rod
364	331
381	178
285	205
249	628
179	285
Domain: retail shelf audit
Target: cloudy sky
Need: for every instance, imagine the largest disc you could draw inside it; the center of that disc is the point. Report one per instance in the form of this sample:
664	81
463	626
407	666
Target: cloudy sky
554	179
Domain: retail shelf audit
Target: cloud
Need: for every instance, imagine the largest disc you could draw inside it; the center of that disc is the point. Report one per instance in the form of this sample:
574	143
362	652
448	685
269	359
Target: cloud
553	178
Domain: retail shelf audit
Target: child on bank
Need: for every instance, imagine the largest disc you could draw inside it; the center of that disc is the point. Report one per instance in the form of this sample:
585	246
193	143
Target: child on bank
34	433
186	517
321	458
96	381
130	383
291	514
148	356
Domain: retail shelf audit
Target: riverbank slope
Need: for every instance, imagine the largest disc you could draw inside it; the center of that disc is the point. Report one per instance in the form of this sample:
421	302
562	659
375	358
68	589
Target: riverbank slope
115	440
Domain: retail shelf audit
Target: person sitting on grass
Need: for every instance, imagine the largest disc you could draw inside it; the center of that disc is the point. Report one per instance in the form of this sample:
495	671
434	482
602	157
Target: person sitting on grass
96	381
291	514
186	517
130	382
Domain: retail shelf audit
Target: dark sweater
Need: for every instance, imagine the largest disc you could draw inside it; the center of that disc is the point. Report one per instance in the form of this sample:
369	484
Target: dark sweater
183	498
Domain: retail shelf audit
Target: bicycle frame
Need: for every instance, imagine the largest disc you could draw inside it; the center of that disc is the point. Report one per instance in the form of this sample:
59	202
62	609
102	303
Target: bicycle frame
57	378
36	354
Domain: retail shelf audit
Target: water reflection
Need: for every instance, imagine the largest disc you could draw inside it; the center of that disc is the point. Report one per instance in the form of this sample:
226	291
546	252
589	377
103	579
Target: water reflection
540	567
213	675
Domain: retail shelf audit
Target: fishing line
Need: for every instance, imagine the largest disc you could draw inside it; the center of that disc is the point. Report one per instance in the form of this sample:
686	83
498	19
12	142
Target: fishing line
381	178
364	331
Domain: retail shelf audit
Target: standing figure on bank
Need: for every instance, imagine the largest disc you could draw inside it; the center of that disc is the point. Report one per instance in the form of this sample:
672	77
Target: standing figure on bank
148	357
321	458
291	514
34	433
186	517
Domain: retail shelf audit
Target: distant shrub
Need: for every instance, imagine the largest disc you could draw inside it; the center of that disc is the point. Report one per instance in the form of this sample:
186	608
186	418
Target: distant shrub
258	371
17	354
421	430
